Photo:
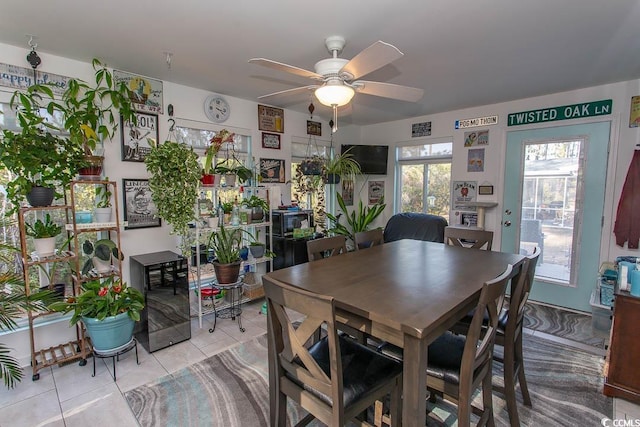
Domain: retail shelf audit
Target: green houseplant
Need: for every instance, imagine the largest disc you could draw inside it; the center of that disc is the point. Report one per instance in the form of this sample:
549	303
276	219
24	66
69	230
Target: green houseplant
358	220
108	308
88	112
35	155
99	255
174	174
232	167
342	166
226	244
44	235
259	207
102	211
259	249
14	301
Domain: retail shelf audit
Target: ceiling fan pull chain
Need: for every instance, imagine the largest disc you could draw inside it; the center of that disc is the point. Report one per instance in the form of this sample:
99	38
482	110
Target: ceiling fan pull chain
334	127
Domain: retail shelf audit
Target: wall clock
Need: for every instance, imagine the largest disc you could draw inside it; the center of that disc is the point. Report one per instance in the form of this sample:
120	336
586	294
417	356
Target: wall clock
216	108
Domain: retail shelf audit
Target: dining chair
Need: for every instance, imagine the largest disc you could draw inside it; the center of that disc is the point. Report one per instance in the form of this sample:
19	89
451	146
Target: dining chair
468	237
509	336
367	239
334	379
326	247
457	365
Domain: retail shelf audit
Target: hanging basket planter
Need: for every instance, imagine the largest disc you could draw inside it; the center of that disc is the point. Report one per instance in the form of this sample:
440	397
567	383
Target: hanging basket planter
333	178
311	167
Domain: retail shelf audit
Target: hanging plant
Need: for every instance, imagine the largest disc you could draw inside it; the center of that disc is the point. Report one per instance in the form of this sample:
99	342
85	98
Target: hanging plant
174	175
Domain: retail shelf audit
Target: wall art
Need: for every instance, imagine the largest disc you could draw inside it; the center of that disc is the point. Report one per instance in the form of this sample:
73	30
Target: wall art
145	93
139	209
135	145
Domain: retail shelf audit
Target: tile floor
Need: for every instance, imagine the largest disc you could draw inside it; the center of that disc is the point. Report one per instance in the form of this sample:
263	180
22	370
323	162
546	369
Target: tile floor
70	396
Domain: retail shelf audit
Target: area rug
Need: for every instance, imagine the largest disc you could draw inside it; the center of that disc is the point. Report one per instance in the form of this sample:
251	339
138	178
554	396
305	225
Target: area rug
562	323
231	389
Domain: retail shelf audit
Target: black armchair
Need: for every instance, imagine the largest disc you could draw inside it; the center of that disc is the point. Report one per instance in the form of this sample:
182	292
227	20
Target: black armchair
416	226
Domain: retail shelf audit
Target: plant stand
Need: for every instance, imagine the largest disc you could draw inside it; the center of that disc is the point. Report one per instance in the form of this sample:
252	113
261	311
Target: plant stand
234	290
115	355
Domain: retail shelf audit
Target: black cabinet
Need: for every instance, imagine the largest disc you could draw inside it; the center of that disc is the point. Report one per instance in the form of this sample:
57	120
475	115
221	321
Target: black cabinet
289	251
164	280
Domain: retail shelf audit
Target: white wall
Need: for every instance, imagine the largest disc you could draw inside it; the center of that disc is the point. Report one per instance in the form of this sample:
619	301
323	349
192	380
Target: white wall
623	140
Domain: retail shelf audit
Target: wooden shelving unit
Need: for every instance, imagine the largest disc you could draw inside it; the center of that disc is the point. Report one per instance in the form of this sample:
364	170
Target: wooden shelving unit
77	349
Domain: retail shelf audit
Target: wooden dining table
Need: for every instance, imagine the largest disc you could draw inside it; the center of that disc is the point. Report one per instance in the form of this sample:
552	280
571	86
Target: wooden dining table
406	292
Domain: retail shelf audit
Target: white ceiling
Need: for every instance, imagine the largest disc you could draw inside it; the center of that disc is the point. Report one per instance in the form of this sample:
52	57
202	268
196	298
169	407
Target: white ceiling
462	53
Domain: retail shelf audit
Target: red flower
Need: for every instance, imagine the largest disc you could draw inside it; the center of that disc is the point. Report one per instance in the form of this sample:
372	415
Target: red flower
103	292
117	289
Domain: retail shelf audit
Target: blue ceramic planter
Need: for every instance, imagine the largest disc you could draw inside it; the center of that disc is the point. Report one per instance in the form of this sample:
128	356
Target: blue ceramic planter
110	333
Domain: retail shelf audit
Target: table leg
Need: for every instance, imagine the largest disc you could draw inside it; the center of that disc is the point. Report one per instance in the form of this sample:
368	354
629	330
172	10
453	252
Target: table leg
414	377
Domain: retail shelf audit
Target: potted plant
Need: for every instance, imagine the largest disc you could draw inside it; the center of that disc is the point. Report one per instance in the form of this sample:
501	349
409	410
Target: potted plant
174	173
227	209
232	169
342	165
226	244
314	165
57	282
102	211
258	249
44	235
217	140
39	160
258	207
108	308
356	221
87	112
99	255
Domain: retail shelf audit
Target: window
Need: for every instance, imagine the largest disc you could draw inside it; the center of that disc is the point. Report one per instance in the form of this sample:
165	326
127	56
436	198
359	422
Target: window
423	178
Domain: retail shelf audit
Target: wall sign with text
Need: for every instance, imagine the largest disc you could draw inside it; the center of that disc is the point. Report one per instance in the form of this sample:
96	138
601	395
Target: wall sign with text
564	112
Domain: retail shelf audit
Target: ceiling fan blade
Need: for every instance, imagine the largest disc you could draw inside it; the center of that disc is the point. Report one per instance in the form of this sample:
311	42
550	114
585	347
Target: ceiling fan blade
288	92
375	56
389	90
285	67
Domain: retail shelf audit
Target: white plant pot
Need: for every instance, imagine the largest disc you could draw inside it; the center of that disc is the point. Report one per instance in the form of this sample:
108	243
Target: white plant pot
45	246
102	214
213	221
101	266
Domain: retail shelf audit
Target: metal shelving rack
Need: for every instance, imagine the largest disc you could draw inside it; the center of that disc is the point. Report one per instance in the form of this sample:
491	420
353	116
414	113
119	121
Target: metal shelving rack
209	280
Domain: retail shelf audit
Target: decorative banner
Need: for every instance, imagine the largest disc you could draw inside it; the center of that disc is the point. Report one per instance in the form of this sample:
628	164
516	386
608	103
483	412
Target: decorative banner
420	129
145	93
474	123
21	78
565	112
272	170
376	191
634	115
463	192
475	162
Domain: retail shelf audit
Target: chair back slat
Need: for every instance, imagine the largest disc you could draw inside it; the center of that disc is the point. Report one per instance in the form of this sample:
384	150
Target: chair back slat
468	238
478	349
520	293
367	239
326	247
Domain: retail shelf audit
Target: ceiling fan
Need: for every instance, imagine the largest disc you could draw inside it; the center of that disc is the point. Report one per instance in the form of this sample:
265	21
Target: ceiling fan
337	78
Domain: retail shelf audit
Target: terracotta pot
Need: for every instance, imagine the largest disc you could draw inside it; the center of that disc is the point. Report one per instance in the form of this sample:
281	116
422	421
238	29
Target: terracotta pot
227	273
94	170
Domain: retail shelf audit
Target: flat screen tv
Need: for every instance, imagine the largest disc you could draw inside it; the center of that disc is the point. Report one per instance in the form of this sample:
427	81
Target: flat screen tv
372	158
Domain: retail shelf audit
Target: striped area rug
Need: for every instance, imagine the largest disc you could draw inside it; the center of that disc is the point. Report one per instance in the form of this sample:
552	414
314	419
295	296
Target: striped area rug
231	389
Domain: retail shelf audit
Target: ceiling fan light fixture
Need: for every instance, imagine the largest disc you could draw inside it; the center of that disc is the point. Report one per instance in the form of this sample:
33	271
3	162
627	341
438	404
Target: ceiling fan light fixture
334	93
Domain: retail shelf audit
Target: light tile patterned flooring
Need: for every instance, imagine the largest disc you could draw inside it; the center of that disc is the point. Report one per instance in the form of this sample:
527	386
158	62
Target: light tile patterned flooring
69	396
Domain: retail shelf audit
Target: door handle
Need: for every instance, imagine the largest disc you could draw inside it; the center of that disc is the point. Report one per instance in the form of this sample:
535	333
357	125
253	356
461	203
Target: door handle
507	223
507	212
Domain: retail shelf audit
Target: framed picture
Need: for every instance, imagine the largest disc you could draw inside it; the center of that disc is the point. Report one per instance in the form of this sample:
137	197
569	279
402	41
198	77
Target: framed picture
634	113
485	190
314	128
272	170
135	146
145	93
271	140
376	191
270	119
347	192
139	209
475	160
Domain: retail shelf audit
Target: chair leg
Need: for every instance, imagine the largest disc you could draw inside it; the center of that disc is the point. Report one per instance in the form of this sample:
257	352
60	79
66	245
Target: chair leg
487	399
521	377
510	383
